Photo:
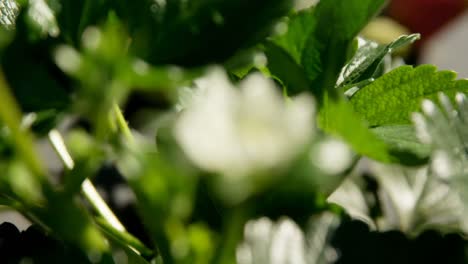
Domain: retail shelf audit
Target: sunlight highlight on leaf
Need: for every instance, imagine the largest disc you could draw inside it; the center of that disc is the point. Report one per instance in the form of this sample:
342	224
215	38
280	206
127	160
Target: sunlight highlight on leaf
8	11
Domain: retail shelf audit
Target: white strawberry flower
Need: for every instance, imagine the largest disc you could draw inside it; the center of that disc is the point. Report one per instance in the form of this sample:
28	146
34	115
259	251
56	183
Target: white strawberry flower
246	130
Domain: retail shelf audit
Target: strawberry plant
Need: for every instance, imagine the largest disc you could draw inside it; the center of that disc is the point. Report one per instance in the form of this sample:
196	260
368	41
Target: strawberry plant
209	131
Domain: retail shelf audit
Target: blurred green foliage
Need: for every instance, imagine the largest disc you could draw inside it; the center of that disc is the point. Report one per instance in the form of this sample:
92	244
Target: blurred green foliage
70	67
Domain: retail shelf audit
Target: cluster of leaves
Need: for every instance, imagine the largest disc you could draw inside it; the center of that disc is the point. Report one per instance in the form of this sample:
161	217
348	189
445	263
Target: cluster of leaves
68	66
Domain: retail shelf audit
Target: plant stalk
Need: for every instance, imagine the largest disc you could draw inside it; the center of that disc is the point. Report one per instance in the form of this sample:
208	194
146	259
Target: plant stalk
109	221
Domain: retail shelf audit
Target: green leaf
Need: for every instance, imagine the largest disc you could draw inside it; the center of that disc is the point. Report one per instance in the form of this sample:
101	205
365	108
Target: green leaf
164	193
317	42
73	17
283	67
300	28
368	57
214	29
342	121
338	23
403	144
390	99
74	224
142	76
284	50
35	81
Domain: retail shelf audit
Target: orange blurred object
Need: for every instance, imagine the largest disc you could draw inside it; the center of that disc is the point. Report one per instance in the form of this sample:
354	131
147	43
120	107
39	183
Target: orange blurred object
425	16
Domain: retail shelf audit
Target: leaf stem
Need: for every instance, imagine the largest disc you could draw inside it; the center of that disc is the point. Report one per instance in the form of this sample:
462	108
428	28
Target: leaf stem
108	221
122	123
233	232
125	238
87	186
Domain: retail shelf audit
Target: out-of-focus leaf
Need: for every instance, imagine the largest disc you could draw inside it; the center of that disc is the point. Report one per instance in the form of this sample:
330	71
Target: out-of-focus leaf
6	147
445	129
44	121
393	97
283	67
367	59
268	242
214	29
84	233
351	197
342	121
6	37
403	144
298	29
142	76
318	235
41	19
35	81
411	200
73	17
164	195
201	240
22	183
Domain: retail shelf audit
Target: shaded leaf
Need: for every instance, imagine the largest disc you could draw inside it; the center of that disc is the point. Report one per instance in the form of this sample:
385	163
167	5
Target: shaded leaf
403	144
299	28
350	196
214	29
35	80
73	17
283	67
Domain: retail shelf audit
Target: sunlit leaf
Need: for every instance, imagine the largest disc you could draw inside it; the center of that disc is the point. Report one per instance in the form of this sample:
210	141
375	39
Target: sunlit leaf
368	57
392	98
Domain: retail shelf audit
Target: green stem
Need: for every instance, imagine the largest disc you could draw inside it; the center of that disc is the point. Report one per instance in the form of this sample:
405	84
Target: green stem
122	123
108	221
87	187
233	232
125	239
